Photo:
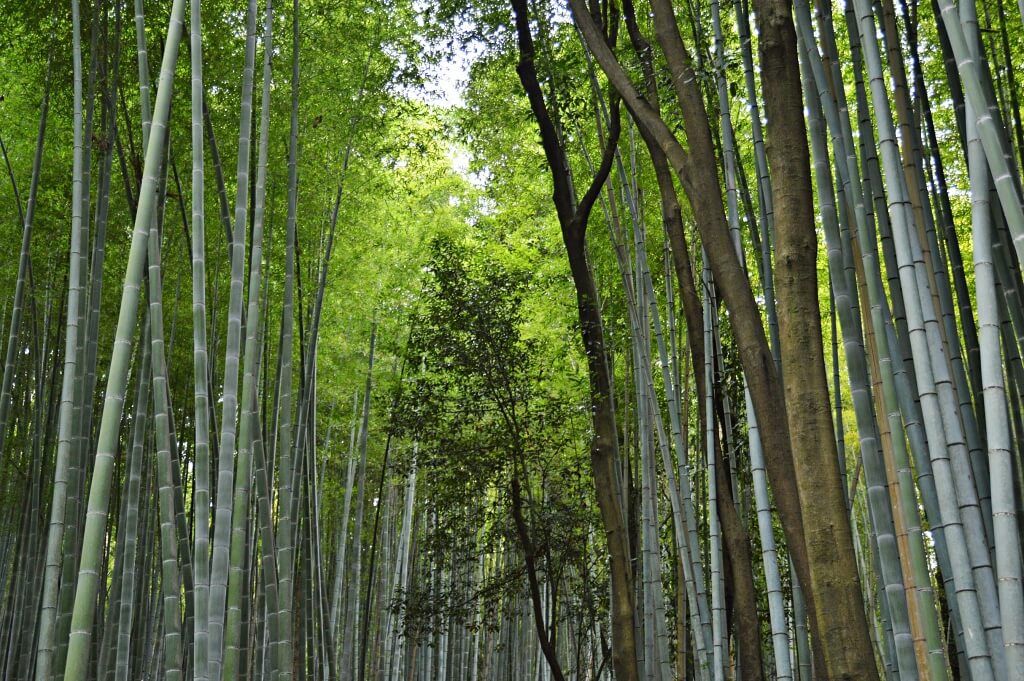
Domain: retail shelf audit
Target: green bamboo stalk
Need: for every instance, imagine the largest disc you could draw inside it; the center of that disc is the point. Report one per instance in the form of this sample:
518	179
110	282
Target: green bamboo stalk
170	581
719	638
324	662
87	369
143	638
136	464
46	644
142	56
284	386
248	425
83	615
229	416
201	490
944	210
276	660
1004	516
83	405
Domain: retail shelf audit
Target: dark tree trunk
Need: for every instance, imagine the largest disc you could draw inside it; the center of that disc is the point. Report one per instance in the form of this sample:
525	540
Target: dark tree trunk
842	630
547	644
604	442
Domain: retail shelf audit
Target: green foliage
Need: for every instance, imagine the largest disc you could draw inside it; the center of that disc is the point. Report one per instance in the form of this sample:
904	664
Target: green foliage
481	409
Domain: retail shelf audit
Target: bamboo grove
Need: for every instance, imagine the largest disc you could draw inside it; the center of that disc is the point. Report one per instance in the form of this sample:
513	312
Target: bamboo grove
683	341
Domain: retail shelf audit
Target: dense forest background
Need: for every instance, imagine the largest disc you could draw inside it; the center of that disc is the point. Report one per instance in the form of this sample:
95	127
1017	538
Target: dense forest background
470	341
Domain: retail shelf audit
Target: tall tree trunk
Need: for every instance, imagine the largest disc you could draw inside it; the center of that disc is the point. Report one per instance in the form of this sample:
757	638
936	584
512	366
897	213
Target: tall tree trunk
842	630
573	218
